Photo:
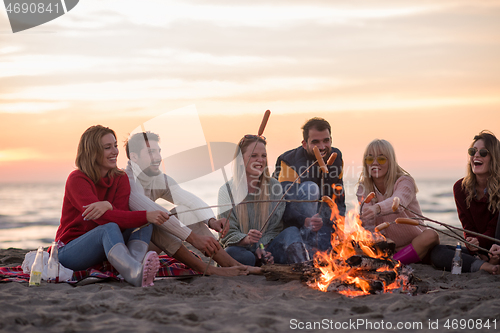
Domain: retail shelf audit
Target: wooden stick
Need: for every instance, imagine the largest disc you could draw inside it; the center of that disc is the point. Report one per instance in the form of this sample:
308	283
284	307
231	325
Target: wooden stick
404	220
283	196
222	205
262	127
450	226
368	198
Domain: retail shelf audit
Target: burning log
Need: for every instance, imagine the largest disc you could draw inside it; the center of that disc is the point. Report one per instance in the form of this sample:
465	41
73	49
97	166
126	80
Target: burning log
370	264
372	287
304	271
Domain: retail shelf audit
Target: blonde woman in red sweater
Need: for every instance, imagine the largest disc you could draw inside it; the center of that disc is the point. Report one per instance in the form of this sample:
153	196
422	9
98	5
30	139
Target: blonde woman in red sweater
383	176
96	223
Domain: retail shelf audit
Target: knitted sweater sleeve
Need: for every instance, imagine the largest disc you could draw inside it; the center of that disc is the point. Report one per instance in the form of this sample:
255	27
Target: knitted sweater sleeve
468	221
464	214
80	191
404	189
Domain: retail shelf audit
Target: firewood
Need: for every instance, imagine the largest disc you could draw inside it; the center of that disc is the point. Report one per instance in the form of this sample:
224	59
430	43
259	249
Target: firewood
301	271
370	264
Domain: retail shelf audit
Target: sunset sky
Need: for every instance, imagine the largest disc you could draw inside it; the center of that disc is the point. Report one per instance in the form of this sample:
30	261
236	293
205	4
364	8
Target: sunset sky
424	75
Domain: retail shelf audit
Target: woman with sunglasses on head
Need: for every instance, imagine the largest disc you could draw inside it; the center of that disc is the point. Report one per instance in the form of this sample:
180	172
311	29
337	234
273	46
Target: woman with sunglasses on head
251	182
383	176
96	223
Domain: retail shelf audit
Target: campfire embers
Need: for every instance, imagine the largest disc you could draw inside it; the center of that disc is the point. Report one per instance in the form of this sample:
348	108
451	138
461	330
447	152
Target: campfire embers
358	267
359	263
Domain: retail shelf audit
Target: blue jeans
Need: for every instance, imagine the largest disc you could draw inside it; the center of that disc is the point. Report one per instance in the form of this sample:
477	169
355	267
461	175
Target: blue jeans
320	240
92	247
442	256
277	247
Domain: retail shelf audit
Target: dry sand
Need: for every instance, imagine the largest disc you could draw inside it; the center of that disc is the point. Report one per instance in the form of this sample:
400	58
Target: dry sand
245	304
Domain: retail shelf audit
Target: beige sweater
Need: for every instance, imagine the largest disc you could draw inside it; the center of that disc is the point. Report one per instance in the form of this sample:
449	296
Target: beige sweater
401	234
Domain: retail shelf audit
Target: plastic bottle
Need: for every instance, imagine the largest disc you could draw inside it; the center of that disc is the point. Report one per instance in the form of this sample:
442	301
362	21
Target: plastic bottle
456	264
37	269
53	265
262	252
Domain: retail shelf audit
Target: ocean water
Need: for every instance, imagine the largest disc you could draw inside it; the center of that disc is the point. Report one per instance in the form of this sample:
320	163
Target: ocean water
30	213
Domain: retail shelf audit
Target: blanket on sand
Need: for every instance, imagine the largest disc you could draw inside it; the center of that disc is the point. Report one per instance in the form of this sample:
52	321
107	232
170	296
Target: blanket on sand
169	267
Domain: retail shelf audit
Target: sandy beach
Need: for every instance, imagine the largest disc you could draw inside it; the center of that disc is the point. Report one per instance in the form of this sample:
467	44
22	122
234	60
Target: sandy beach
247	304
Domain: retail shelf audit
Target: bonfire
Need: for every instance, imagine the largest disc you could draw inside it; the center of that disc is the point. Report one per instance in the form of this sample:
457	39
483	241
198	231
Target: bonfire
359	262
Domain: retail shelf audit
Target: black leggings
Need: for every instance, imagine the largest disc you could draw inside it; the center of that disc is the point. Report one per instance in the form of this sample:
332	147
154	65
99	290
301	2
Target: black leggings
442	256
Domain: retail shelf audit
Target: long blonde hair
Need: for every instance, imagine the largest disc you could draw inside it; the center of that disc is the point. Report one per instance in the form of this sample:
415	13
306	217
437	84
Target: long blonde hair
382	147
493	186
239	173
90	151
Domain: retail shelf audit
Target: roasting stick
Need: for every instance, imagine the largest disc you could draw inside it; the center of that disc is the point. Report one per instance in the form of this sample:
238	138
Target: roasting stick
441	223
283	196
224	226
228	204
262	127
324	171
402	220
241	203
368	198
395	206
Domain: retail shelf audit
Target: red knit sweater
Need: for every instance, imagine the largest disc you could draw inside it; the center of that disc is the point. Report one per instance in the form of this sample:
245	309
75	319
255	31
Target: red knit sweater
81	191
476	218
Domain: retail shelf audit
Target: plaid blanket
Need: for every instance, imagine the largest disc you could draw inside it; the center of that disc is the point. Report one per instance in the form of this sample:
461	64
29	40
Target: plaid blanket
169	267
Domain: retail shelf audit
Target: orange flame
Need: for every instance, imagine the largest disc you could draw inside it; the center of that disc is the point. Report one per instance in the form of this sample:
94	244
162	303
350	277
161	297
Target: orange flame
350	239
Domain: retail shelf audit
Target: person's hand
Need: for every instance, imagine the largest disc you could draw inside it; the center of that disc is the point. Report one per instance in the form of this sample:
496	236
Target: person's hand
206	244
252	237
268	257
314	223
495	249
494	254
157	217
220	225
369	212
473	241
96	210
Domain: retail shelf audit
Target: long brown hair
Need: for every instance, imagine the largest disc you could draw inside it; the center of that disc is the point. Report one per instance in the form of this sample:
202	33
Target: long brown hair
394	171
493	186
263	186
90	151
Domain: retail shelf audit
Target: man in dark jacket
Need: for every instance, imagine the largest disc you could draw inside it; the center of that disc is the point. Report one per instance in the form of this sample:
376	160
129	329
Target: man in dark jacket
316	229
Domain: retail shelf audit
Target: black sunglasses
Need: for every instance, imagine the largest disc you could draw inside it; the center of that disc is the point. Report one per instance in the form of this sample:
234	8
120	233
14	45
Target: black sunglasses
251	136
482	152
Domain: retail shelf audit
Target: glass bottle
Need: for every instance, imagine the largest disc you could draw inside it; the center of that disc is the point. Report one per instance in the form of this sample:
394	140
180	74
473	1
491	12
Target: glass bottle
53	265
456	264
37	269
